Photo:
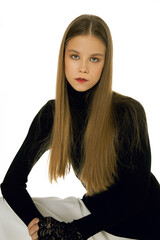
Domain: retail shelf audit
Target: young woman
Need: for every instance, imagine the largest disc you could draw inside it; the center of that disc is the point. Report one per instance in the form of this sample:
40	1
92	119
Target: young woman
103	135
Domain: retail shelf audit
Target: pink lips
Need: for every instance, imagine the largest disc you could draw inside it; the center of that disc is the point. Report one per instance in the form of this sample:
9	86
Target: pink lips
81	80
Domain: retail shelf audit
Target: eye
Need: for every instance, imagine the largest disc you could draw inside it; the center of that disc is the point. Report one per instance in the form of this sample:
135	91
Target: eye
75	57
94	59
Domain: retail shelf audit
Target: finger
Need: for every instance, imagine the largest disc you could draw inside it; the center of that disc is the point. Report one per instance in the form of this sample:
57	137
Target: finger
34	229
35	236
33	222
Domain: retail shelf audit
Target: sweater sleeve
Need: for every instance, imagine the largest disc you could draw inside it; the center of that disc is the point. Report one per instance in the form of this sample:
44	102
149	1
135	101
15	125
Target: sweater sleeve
13	187
128	196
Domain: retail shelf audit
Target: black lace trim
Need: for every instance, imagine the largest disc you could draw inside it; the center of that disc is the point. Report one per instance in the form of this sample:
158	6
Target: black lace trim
51	229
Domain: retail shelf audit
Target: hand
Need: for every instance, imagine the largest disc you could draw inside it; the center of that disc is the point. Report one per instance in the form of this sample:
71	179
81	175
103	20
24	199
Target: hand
33	229
50	228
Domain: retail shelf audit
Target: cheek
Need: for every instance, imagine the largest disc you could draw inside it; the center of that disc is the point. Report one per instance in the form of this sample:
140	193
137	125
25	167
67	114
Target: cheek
67	69
97	71
69	66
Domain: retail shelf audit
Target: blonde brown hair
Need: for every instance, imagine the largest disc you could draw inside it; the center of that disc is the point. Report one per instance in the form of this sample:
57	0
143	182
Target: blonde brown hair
99	158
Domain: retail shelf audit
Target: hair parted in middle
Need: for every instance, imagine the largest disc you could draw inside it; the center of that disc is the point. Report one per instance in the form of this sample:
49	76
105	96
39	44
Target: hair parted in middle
99	158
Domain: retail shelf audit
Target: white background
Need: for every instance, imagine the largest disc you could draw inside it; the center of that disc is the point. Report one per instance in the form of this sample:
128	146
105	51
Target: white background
30	37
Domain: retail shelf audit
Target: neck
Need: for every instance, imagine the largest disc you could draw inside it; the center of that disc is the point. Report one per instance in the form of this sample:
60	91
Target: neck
80	100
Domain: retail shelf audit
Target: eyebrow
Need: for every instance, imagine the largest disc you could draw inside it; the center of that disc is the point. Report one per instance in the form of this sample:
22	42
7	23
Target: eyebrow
94	54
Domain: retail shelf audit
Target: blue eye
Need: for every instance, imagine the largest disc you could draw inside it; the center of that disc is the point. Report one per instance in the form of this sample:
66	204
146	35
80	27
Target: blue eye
74	57
94	59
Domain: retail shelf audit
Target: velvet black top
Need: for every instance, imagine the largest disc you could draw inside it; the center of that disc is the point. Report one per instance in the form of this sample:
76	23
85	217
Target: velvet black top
130	208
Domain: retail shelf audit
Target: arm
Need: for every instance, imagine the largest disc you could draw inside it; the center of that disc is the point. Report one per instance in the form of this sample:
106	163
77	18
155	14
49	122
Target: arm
112	210
13	186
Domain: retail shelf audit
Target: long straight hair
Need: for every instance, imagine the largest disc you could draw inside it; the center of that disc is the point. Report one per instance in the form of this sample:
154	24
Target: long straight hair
99	158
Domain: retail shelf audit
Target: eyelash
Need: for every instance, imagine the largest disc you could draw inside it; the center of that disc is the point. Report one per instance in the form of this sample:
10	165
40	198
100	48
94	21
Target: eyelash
91	58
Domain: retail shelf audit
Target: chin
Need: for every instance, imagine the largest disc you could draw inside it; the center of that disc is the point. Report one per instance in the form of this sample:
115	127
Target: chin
81	89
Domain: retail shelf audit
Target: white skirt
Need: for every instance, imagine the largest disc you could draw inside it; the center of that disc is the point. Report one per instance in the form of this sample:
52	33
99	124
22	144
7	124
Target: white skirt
64	210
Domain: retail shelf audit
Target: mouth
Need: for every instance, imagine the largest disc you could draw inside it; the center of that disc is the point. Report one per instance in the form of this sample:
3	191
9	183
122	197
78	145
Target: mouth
81	79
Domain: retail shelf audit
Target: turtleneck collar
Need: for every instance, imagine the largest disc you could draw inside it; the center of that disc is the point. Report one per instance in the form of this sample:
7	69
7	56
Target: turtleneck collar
80	100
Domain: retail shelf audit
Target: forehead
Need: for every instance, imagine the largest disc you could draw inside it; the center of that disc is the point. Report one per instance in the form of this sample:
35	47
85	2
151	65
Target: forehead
85	43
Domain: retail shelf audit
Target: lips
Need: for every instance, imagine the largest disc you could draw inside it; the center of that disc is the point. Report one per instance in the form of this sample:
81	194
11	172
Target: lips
81	79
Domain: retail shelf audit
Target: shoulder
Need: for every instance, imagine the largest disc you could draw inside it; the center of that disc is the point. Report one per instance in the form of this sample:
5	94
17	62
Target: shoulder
128	108
130	120
47	108
45	115
130	116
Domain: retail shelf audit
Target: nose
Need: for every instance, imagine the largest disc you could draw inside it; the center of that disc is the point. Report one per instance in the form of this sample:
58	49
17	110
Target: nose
83	68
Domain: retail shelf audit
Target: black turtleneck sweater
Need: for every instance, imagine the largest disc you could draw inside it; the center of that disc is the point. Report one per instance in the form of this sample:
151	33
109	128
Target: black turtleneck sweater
130	208
79	103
